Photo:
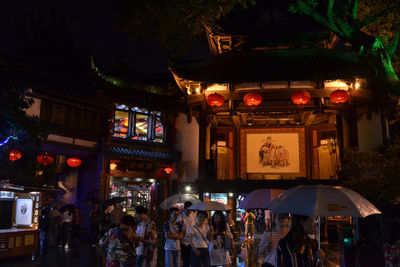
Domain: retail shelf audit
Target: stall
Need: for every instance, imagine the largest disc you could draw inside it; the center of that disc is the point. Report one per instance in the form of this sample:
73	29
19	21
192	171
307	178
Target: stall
19	221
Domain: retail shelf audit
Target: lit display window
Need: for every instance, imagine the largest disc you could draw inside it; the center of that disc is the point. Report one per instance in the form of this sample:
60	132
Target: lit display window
137	123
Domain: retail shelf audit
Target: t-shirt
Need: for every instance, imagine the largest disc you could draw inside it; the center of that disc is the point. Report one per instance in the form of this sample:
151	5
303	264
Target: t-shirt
142	230
172	244
199	236
249	218
218	255
67	217
187	222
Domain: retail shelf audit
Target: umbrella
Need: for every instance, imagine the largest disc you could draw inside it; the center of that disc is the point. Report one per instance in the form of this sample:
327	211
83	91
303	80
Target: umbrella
57	203
210	205
322	200
259	199
177	199
113	201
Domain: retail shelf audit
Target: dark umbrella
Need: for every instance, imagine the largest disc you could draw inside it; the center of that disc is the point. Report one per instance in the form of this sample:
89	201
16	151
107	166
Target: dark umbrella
113	201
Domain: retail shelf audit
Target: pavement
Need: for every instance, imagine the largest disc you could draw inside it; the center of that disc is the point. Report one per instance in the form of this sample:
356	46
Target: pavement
83	254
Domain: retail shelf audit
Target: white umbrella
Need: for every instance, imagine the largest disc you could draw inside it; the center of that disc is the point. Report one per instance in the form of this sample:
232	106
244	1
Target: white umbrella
178	199
322	200
210	205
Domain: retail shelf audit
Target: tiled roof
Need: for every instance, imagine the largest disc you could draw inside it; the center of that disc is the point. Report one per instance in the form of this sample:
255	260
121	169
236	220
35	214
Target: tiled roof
273	65
137	154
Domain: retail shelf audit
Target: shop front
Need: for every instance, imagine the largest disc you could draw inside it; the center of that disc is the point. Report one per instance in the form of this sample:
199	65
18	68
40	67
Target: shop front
19	221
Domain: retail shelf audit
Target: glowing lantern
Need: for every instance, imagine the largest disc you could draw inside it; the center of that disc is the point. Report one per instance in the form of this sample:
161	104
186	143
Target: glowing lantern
15	155
168	170
215	100
113	166
339	96
300	98
126	123
74	162
45	159
252	99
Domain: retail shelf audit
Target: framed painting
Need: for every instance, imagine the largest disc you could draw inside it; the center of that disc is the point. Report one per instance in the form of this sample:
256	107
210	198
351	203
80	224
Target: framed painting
273	151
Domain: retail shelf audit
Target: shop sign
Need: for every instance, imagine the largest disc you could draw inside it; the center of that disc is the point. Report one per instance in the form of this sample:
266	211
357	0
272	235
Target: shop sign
7	195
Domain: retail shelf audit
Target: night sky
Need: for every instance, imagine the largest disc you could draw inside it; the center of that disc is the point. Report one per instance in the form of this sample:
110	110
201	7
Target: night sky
93	27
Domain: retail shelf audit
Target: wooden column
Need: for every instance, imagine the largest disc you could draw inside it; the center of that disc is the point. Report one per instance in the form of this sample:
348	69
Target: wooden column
202	142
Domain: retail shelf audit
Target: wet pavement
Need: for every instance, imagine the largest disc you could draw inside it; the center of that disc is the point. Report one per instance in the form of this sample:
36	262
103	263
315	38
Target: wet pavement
85	255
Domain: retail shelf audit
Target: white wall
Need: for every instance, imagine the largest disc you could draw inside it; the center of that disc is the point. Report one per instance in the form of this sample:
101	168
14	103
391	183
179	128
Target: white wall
187	141
369	132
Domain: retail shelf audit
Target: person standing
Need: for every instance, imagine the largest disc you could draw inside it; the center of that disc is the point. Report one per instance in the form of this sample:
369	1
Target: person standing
76	224
187	219
116	215
173	235
94	218
146	252
120	243
219	227
54	224
66	227
199	239
269	240
249	219
296	249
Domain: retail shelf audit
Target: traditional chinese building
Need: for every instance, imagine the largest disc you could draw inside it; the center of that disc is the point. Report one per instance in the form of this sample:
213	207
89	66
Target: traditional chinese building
273	107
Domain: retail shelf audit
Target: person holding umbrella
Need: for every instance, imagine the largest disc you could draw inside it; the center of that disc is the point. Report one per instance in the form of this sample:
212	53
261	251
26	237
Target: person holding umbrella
296	249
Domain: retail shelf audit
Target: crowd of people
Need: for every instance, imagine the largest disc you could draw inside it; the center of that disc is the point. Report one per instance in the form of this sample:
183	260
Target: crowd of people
189	238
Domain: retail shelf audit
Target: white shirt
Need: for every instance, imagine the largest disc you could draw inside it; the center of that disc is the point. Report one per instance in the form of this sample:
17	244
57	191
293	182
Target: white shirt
140	231
187	222
199	236
66	217
172	244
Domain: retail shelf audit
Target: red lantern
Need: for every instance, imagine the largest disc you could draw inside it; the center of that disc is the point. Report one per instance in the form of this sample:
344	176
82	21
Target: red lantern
252	99
168	170
15	155
300	98
113	166
215	100
45	159
74	162
339	96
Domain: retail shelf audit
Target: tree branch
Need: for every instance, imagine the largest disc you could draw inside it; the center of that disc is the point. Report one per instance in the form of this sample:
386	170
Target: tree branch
309	10
391	48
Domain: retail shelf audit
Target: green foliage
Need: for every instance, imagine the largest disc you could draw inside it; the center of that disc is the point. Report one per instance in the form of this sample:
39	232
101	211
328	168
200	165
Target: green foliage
29	130
375	175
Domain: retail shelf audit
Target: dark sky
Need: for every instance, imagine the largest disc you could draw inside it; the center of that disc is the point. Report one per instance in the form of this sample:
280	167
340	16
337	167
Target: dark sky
93	27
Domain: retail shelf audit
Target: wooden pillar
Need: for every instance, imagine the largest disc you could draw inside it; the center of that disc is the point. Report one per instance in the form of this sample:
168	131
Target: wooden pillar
202	141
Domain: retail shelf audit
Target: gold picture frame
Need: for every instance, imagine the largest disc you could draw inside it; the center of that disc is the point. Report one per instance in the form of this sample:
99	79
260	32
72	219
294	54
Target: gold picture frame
272	153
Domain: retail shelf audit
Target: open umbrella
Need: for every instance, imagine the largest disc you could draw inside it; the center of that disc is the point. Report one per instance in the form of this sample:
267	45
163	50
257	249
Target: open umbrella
322	200
260	198
113	201
210	205
178	199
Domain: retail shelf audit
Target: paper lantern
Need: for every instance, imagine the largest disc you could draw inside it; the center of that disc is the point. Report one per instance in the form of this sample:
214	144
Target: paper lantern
215	100
339	96
301	98
15	155
113	166
45	159
252	99
168	170
74	162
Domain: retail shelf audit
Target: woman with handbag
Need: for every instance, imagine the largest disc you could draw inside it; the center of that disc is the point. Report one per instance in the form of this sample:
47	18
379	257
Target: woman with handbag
219	226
